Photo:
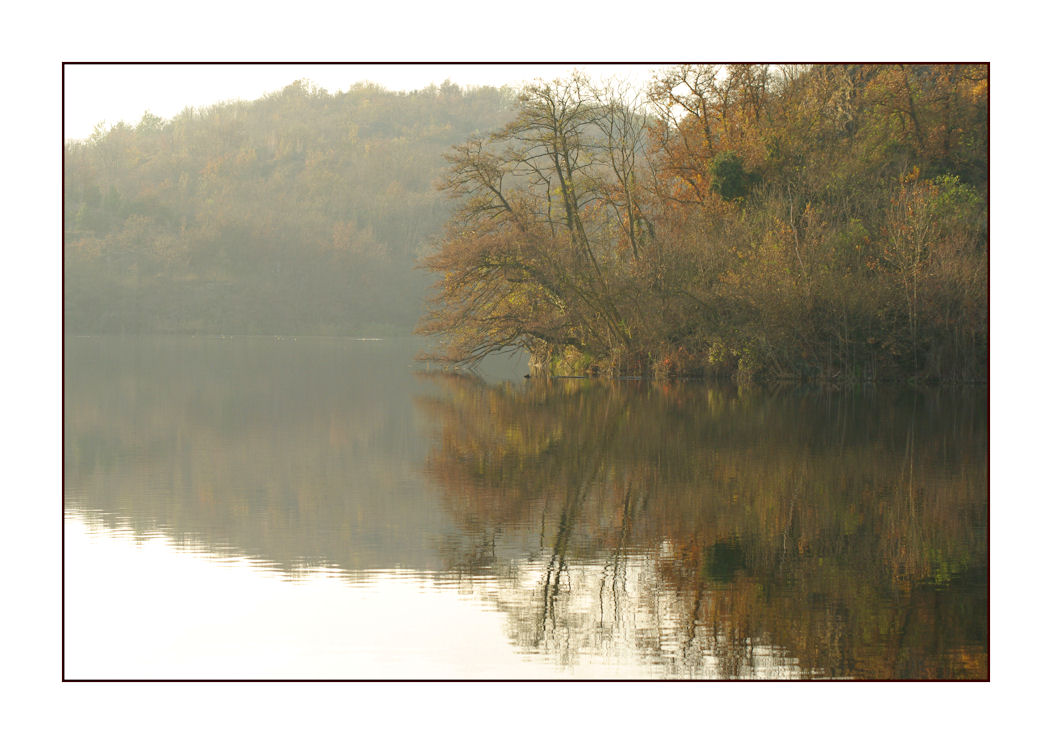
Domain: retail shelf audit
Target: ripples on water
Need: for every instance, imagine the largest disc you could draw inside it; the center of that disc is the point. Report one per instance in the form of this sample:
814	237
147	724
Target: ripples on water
261	508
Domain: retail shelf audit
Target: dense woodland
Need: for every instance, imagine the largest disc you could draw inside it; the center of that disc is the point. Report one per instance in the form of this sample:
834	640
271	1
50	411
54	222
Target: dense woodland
299	213
762	221
822	222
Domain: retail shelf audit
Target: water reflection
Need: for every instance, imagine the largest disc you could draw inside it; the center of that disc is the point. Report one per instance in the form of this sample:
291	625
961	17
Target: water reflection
715	530
609	530
297	452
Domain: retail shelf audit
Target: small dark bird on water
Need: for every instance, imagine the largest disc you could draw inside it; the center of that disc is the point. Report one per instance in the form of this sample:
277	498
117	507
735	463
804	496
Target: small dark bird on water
526	376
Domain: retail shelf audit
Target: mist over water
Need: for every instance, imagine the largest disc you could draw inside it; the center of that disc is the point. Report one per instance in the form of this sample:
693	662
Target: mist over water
261	507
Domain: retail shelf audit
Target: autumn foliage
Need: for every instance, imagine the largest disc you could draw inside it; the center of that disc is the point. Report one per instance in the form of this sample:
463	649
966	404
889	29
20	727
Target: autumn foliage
823	222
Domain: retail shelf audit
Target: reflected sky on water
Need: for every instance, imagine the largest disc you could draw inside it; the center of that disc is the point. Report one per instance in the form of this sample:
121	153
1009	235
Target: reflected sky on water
325	508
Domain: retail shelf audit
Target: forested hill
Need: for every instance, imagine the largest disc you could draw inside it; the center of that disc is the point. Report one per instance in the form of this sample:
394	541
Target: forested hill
302	212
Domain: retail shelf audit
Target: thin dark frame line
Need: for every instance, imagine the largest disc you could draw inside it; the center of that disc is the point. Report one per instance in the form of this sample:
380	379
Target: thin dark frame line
461	63
505	62
62	396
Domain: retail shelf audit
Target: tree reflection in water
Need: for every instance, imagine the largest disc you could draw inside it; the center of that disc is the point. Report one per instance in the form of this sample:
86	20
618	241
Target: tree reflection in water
723	533
709	531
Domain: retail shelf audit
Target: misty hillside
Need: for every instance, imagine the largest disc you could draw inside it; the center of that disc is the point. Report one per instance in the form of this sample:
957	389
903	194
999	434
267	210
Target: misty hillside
301	212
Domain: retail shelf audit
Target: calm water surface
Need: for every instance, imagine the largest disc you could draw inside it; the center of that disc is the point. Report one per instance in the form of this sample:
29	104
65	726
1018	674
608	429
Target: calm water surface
323	508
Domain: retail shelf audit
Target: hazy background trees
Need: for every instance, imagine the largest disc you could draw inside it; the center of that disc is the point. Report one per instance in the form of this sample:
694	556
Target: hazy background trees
784	221
298	213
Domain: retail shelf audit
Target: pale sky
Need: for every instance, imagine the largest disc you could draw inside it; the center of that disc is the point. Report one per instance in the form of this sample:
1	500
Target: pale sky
112	93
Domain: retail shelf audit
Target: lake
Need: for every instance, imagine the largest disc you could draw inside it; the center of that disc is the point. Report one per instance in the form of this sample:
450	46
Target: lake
298	508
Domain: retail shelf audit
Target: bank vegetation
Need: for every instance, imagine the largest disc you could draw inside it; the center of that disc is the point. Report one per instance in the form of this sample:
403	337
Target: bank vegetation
820	222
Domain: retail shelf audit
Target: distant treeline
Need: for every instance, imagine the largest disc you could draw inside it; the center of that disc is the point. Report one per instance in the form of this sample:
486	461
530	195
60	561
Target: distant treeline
299	213
823	222
770	221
